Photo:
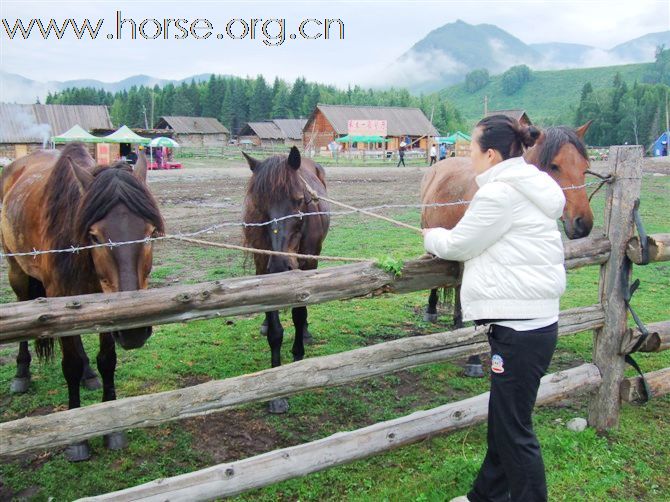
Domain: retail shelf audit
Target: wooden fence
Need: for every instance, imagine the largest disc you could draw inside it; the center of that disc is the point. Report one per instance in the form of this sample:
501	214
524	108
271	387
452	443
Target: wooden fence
106	312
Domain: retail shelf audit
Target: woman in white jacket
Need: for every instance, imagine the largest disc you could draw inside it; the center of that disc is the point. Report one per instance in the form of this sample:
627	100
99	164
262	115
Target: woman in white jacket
512	280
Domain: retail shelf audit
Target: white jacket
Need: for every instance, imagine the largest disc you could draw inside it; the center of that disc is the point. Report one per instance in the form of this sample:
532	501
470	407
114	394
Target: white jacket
510	243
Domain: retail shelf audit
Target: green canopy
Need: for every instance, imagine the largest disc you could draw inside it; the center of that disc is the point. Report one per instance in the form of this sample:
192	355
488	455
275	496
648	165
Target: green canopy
125	135
361	139
458	135
76	133
163	141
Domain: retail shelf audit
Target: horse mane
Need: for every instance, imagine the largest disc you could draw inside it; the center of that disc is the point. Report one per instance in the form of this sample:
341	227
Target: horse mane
555	139
273	180
62	202
69	214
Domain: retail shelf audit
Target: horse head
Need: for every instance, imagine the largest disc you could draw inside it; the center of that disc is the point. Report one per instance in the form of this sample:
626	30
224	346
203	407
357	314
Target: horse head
561	153
275	192
117	206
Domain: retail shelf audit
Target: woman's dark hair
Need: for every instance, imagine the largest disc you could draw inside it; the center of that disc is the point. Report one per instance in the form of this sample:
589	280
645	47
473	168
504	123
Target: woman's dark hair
506	135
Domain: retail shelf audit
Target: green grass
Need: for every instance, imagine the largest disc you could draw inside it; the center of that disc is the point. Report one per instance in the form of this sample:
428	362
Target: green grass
628	464
550	97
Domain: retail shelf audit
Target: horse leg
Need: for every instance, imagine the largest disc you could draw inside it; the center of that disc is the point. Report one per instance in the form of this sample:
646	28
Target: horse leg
431	311
25	288
473	366
21	380
275	339
73	369
300	322
106	366
89	380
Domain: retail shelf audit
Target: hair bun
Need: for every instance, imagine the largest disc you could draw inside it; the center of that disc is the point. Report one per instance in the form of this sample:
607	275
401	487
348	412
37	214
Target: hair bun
529	135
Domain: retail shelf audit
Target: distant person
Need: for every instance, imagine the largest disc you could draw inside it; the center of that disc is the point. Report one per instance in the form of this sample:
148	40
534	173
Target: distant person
159	158
401	155
443	151
433	154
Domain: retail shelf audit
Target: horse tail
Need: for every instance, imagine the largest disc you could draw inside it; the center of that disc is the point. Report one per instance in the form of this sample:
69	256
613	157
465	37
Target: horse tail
448	296
44	347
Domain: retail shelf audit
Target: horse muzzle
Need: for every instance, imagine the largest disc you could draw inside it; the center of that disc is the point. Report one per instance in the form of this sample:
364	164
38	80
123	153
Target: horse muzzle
578	227
132	338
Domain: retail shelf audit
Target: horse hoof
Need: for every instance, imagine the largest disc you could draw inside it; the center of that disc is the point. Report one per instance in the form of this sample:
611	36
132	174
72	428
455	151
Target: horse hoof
307	338
115	440
264	329
278	406
19	385
429	317
78	452
92	383
474	371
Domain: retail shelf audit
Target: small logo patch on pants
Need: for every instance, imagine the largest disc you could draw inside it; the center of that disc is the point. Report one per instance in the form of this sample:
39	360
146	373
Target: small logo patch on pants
497	364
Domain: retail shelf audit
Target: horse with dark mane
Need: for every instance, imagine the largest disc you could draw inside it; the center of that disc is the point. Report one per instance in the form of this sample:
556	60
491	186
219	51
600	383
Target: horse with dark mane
559	151
55	200
277	190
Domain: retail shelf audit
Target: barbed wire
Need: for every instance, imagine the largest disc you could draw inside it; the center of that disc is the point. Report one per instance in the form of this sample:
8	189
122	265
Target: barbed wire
274	221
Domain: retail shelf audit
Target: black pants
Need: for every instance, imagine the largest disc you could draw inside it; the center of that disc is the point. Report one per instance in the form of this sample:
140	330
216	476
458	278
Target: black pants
513	469
401	161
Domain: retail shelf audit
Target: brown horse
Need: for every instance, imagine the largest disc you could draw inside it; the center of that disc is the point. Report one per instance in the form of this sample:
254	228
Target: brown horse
276	190
559	151
55	200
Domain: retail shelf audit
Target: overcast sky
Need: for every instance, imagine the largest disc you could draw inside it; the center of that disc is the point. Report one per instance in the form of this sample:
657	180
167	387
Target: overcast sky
376	33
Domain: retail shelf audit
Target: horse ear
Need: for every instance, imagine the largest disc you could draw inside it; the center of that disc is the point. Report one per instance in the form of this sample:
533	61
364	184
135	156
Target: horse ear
581	131
140	169
253	163
294	158
84	178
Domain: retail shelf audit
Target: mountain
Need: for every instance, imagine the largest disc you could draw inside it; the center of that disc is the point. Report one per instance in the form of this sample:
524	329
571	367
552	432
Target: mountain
447	54
550	97
643	46
18	89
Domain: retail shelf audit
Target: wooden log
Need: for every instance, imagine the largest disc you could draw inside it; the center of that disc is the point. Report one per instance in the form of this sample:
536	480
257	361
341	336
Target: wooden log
591	250
657	341
245	295
225	480
626	169
65	427
659	248
658	382
75	315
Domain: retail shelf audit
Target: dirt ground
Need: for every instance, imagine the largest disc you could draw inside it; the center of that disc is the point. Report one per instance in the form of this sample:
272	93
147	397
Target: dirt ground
204	194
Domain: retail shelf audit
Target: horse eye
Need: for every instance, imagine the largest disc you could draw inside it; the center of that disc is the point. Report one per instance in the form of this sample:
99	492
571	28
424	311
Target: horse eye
94	239
555	168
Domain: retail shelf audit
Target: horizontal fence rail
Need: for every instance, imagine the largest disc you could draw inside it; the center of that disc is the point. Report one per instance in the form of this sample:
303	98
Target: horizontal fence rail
230	479
658	382
659	248
99	313
657	339
65	427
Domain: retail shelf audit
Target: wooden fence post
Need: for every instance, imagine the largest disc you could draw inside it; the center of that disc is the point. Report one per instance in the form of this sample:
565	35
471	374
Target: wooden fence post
626	169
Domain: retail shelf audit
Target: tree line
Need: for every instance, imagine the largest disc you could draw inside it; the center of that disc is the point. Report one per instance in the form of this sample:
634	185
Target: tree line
235	101
623	114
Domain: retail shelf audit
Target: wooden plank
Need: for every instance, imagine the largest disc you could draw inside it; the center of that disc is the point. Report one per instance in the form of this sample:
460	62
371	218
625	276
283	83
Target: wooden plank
658	382
65	316
657	341
626	169
225	480
65	427
659	248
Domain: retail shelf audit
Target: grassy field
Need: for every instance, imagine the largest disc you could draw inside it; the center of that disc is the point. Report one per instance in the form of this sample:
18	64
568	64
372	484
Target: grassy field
631	463
550	97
